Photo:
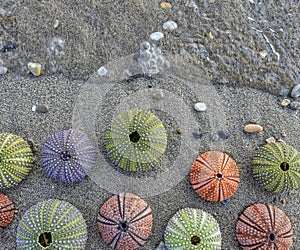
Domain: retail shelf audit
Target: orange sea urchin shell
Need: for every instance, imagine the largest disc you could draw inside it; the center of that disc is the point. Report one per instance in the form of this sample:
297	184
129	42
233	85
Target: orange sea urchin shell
215	176
263	226
7	211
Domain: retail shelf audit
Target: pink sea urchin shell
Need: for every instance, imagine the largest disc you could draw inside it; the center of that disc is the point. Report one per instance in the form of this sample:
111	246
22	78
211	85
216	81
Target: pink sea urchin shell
7	211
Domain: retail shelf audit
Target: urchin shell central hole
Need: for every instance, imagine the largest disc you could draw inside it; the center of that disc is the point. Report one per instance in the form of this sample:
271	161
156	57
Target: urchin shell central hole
65	156
45	239
219	175
272	237
284	166
123	226
195	240
134	137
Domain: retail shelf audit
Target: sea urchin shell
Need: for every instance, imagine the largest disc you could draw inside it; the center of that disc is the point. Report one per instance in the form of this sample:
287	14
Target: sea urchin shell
52	224
214	176
192	228
263	226
16	160
136	140
125	221
68	156
276	166
7	211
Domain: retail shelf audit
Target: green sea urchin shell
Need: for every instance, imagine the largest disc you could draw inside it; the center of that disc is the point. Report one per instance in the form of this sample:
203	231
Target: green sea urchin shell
136	140
276	166
192	228
16	160
52	224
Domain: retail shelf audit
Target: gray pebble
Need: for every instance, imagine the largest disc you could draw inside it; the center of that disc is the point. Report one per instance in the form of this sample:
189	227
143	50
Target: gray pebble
3	70
223	134
40	108
215	137
197	134
284	92
157	94
295	105
296	91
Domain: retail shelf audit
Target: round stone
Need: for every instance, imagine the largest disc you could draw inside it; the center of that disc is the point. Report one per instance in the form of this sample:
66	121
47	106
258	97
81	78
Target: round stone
170	25
157	94
215	137
295	91
155	36
200	106
3	70
223	134
165	5
253	128
102	71
197	134
40	108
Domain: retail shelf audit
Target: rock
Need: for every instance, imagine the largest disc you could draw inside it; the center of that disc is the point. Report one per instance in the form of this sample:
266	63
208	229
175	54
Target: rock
295	91
55	24
295	105
263	54
284	92
211	36
3	70
225	202
285	102
157	94
35	68
253	128
102	71
223	134
40	108
271	140
197	134
215	137
170	25
179	131
155	36
165	5
200	106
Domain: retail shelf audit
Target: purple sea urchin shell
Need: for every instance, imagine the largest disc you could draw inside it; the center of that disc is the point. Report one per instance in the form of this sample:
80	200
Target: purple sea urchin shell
68	156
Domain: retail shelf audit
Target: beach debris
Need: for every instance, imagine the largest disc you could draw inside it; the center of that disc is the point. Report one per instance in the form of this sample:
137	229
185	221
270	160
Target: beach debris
276	166
3	70
55	23
52	224
40	108
285	102
7	212
16	160
271	140
127	218
136	140
35	68
170	25
68	156
295	105
214	176
223	134
102	71
215	137
200	106
197	134
192	228
157	94
263	226
165	5
295	91
253	128
156	36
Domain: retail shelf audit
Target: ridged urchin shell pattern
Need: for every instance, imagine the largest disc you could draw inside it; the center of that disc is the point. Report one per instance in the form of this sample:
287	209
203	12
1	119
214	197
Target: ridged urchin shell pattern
276	166
214	176
16	160
7	211
263	226
192	228
68	156
136	140
52	224
125	221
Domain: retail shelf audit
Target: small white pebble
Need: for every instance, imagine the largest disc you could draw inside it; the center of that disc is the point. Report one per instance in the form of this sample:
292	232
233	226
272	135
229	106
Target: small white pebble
3	70
200	106
155	36
102	71
56	23
263	54
170	25
271	140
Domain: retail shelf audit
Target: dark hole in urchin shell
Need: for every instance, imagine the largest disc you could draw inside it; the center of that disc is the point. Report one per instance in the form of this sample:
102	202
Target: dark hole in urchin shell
219	175
134	137
45	239
272	237
123	226
65	156
284	166
195	240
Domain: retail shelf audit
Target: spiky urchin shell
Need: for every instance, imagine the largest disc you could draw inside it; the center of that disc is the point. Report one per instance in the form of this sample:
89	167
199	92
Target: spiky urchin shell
68	156
263	226
7	211
215	176
267	167
16	160
61	219
125	221
140	155
190	223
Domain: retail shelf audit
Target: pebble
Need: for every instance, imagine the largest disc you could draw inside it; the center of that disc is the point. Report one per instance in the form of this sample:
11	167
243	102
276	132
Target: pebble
161	246
296	91
211	36
263	54
225	202
283	201
253	128
179	131
197	134
284	92
165	5
271	140
200	106
215	137
155	36
295	105
3	70
157	94
285	102
170	25
223	134
102	71
40	108
55	24
35	68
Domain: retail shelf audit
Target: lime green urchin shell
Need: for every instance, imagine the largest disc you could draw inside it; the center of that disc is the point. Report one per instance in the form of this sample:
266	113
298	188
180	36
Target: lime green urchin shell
276	166
192	228
136	140
16	160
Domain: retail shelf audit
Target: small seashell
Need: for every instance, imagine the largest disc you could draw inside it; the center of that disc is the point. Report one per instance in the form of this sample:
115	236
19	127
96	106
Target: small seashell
35	68
200	106
3	70
155	36
165	5
295	91
285	102
253	128
40	108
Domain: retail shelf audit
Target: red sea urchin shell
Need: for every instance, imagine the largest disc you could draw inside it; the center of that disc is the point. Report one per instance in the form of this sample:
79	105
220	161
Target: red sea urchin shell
215	176
263	226
125	221
7	211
